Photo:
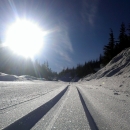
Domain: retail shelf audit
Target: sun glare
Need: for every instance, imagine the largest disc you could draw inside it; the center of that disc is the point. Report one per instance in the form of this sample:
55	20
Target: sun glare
24	38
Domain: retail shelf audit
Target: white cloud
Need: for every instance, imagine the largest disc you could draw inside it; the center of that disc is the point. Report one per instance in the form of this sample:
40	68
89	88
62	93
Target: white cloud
62	43
89	10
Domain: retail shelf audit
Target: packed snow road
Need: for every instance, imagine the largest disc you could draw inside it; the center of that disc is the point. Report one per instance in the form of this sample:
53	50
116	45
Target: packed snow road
48	105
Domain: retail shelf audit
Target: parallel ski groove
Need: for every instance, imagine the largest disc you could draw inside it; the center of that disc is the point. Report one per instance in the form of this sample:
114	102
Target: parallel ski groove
91	121
28	99
57	113
29	120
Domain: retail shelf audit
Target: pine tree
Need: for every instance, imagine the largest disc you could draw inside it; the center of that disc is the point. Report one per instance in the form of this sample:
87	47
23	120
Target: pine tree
72	72
128	42
128	30
109	49
122	38
100	59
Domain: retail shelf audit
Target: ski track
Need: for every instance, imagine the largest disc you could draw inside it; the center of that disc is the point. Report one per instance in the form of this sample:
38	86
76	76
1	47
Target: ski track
57	106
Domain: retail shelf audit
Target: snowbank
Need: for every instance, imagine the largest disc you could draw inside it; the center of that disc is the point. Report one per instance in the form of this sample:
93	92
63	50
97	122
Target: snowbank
28	77
119	65
8	77
114	76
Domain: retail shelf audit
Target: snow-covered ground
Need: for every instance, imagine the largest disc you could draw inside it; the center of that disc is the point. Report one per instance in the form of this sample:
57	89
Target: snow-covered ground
97	102
9	77
48	105
115	75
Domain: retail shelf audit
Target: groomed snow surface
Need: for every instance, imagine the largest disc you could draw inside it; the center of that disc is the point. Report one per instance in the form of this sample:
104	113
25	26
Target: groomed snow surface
97	102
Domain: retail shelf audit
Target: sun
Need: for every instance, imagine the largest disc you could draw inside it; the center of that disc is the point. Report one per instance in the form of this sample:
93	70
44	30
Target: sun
25	38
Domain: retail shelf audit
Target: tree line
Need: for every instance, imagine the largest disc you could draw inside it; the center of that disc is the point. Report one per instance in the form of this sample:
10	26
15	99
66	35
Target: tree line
114	47
11	63
110	50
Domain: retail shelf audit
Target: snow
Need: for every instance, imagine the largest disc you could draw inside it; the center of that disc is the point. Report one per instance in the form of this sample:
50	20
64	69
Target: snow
107	93
28	77
98	101
109	111
8	77
68	114
115	75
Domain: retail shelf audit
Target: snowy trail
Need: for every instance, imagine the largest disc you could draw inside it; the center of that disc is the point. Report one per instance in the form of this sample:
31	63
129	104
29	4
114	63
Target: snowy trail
14	93
59	106
12	114
109	111
67	114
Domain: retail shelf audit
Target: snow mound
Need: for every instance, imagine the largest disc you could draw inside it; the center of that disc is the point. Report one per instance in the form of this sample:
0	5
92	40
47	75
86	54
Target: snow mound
119	65
7	77
28	77
115	76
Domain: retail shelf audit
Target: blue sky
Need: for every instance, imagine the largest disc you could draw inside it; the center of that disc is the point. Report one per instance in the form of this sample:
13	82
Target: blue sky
79	29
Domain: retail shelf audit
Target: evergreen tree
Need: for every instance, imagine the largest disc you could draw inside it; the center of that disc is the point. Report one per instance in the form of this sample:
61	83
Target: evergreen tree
109	49
122	38
128	30
100	59
128	35
72	72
